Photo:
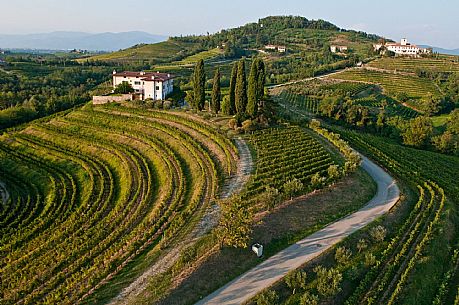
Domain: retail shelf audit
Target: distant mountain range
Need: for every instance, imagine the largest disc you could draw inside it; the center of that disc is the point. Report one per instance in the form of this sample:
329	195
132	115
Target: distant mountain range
78	40
441	50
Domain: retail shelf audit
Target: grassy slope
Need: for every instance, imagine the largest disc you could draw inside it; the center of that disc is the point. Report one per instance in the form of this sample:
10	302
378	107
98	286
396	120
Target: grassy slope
165	50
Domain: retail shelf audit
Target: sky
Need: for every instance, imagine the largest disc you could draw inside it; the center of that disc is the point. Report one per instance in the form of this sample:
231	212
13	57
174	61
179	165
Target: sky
433	23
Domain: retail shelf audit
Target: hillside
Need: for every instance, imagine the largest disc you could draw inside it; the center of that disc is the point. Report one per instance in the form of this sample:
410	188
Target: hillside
297	33
165	51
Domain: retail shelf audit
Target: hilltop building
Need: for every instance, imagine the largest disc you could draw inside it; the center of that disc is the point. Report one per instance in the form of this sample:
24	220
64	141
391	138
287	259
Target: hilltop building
338	49
147	85
272	47
403	48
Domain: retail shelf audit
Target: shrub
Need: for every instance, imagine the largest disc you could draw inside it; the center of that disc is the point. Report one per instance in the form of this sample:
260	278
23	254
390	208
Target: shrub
342	255
292	187
378	234
309	299
296	280
362	245
370	259
328	280
267	297
333	172
270	198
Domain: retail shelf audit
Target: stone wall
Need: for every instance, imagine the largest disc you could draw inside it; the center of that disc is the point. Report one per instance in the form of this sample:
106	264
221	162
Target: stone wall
104	99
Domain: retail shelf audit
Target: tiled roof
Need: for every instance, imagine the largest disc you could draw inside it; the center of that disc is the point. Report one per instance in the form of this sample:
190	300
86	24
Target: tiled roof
145	76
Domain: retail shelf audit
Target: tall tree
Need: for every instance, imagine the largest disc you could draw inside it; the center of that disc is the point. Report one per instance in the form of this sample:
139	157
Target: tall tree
241	88
216	92
199	82
232	89
252	92
261	79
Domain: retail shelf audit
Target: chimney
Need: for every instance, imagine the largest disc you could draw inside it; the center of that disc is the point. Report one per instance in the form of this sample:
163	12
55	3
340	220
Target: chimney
142	73
114	71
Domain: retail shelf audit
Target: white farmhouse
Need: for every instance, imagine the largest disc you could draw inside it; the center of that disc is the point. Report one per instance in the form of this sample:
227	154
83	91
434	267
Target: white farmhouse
403	48
338	49
273	47
154	85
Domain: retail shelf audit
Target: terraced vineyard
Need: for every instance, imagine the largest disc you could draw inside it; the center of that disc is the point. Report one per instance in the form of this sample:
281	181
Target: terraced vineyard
413	86
300	101
348	88
285	154
412	268
449	64
90	191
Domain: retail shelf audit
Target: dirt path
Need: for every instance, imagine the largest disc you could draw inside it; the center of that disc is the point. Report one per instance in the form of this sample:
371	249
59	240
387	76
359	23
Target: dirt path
209	220
276	267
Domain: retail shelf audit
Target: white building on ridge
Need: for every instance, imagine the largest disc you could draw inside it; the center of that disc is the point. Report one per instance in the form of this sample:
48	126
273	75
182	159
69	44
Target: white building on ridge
154	85
403	48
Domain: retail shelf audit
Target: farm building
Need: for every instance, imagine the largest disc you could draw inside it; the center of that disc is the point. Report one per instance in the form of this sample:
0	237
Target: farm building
403	48
338	49
154	85
272	47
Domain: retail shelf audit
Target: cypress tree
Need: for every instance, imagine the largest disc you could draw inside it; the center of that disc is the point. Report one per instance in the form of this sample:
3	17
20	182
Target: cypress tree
216	92
252	90
199	82
232	89
241	89
261	78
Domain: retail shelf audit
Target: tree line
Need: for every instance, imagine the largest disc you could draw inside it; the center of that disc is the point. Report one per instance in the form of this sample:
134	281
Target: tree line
245	95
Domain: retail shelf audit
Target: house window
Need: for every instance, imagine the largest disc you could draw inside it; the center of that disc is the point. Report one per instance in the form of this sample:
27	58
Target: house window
157	87
137	83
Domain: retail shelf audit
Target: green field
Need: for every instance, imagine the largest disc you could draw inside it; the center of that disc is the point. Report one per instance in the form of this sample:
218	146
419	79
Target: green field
447	64
393	84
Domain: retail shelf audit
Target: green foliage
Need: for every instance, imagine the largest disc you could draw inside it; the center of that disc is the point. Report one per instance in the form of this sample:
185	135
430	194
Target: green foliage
453	123
328	281
216	92
267	297
296	280
235	223
240	93
270	197
226	105
333	172
232	89
309	299
292	188
255	90
378	234
343	255
124	88
362	245
317	180
370	259
417	131
199	82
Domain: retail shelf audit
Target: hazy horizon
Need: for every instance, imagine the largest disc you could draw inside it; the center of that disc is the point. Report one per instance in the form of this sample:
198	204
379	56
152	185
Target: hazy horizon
420	21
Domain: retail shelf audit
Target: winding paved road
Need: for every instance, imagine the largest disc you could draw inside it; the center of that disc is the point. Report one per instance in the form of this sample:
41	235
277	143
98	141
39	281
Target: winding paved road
276	267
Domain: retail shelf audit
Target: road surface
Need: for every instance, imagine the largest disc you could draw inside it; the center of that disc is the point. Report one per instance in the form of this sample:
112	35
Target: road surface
276	267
